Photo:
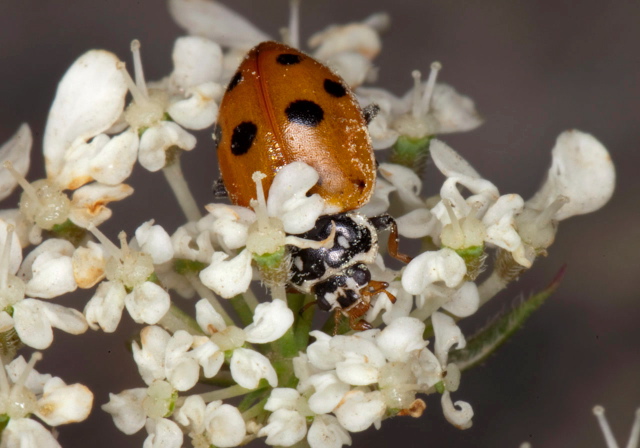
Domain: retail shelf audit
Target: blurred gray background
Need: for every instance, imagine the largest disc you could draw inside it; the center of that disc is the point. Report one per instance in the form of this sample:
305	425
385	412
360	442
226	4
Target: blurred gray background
534	68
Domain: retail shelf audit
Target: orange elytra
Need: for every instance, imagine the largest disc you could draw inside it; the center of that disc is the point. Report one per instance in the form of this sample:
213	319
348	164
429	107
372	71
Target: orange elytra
283	106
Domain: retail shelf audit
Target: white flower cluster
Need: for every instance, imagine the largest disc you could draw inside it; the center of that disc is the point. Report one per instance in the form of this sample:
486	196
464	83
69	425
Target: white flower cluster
293	391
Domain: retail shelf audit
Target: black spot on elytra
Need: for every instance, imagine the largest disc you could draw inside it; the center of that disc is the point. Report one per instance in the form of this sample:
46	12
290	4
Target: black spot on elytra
361	184
288	59
334	88
243	136
304	112
234	81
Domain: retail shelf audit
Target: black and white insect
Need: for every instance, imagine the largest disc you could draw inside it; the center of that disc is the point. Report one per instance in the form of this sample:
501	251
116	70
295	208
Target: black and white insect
338	276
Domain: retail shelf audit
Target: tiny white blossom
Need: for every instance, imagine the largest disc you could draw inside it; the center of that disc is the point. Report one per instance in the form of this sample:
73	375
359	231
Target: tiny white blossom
126	409
248	367
326	432
270	321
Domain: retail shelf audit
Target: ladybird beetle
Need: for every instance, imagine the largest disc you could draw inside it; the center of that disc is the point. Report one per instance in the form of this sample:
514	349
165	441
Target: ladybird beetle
283	106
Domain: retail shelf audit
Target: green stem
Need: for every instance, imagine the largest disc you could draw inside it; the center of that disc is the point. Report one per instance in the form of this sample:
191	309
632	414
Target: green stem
175	319
255	410
224	394
242	309
303	321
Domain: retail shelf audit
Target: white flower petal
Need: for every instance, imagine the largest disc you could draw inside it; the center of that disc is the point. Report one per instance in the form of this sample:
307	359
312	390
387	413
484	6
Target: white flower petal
406	181
326	432
62	404
182	370
271	320
459	415
320	353
48	271
208	355
114	163
401	338
126	409
282	398
150	357
163	433
88	265
35	381
228	278
27	433
418	223
209	320
433	266
196	60
147	303
354	68
89	203
16	150
360	410
330	392
89	99
104	310
155	241
452	111
447	334
225	426
231	223
191	413
248	367
582	170
157	139
284	428
288	198
33	320
465	301
216	22
356	37
200	109
379	202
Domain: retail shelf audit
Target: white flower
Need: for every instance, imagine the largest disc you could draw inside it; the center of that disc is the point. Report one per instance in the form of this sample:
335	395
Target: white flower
326	432
582	171
270	321
360	410
24	392
176	358
216	22
163	433
47	271
126	268
17	151
286	426
126	409
248	367
225	425
401	338
426	110
433	266
349	49
287	210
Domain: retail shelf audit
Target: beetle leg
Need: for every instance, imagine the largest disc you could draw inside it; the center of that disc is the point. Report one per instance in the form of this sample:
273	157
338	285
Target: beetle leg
383	222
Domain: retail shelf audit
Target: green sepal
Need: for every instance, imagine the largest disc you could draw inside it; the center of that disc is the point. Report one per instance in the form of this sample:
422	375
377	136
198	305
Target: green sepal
439	386
470	253
487	340
411	152
4	421
70	232
183	266
172	406
270	261
153	278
